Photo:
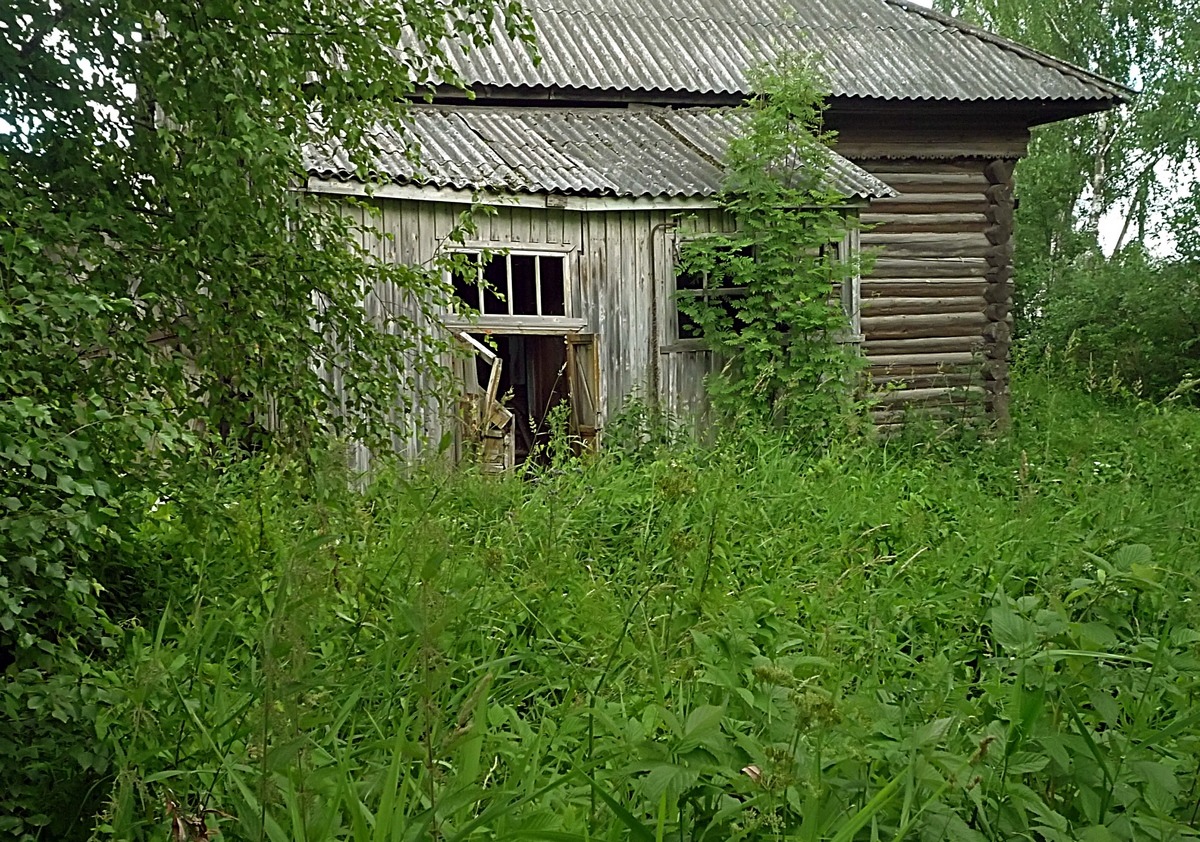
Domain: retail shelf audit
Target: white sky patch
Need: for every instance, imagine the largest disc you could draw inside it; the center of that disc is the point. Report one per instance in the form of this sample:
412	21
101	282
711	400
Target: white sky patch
1175	184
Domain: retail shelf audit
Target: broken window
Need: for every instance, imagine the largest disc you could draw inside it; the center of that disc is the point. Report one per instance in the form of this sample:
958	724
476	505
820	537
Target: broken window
513	284
717	287
720	287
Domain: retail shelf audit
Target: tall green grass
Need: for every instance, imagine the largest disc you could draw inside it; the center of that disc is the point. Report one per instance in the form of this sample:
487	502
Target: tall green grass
924	639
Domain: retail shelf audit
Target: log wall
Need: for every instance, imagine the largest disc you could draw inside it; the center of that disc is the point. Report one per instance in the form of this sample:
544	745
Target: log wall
936	304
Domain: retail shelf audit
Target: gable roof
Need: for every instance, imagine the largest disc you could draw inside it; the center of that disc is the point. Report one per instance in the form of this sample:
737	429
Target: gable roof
625	152
885	49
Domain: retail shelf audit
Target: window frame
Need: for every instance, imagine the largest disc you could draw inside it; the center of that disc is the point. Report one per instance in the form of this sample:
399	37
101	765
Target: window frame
850	294
519	323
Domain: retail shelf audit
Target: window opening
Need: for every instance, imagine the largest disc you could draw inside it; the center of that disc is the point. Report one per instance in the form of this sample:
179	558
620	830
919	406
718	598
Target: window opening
513	284
714	288
719	288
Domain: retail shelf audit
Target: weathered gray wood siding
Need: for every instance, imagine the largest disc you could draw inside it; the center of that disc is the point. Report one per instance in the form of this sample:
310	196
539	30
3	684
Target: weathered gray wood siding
682	365
621	269
936	307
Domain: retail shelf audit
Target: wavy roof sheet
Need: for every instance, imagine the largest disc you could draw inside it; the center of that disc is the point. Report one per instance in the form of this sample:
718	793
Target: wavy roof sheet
886	49
654	152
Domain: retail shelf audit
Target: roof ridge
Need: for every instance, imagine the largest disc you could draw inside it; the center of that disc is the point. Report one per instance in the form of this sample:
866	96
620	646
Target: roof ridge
1119	91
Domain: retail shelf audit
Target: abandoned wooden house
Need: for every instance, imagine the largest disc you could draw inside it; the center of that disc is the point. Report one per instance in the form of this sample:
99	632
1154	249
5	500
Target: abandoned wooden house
602	155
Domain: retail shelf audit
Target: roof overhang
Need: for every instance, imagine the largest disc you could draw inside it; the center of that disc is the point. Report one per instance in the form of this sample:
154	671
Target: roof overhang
666	155
879	49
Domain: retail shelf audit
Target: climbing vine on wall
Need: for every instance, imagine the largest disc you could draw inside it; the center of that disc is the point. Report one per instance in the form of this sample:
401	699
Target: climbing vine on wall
771	310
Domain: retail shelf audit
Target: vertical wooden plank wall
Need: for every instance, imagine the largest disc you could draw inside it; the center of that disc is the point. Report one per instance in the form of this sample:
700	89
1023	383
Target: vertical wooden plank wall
682	365
935	306
621	268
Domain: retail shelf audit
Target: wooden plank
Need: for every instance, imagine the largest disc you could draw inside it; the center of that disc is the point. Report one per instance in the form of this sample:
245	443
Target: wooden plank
959	164
925	326
921	361
931	223
934	149
936	395
935	182
890	266
931	203
923	287
927	245
932	380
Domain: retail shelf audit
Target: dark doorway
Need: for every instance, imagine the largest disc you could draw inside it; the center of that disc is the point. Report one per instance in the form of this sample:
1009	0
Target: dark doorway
533	382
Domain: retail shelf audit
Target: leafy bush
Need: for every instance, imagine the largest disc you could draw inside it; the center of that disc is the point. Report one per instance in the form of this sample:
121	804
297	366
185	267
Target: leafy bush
1130	319
162	280
932	640
775	321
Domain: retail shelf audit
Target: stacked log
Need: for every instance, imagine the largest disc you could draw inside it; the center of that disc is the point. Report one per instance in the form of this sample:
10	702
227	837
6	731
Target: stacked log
936	301
998	332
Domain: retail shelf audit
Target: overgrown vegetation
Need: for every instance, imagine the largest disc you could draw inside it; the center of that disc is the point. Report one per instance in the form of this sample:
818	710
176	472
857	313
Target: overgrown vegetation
943	639
774	321
1128	324
166	293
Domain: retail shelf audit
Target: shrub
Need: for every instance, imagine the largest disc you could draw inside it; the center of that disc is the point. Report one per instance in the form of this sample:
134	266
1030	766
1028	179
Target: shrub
1131	318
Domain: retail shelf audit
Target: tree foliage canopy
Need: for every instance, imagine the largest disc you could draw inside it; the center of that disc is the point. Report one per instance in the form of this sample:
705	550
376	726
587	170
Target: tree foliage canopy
168	289
1129	310
1132	158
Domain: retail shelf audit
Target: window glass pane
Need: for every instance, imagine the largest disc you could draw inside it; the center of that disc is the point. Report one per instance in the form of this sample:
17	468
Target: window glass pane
466	282
524	293
495	289
689	280
554	294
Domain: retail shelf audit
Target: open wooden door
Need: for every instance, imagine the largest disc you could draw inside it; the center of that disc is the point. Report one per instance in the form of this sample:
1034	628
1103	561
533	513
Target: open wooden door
583	373
486	425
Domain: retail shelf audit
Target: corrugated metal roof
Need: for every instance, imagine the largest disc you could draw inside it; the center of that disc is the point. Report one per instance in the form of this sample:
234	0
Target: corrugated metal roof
888	49
654	152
